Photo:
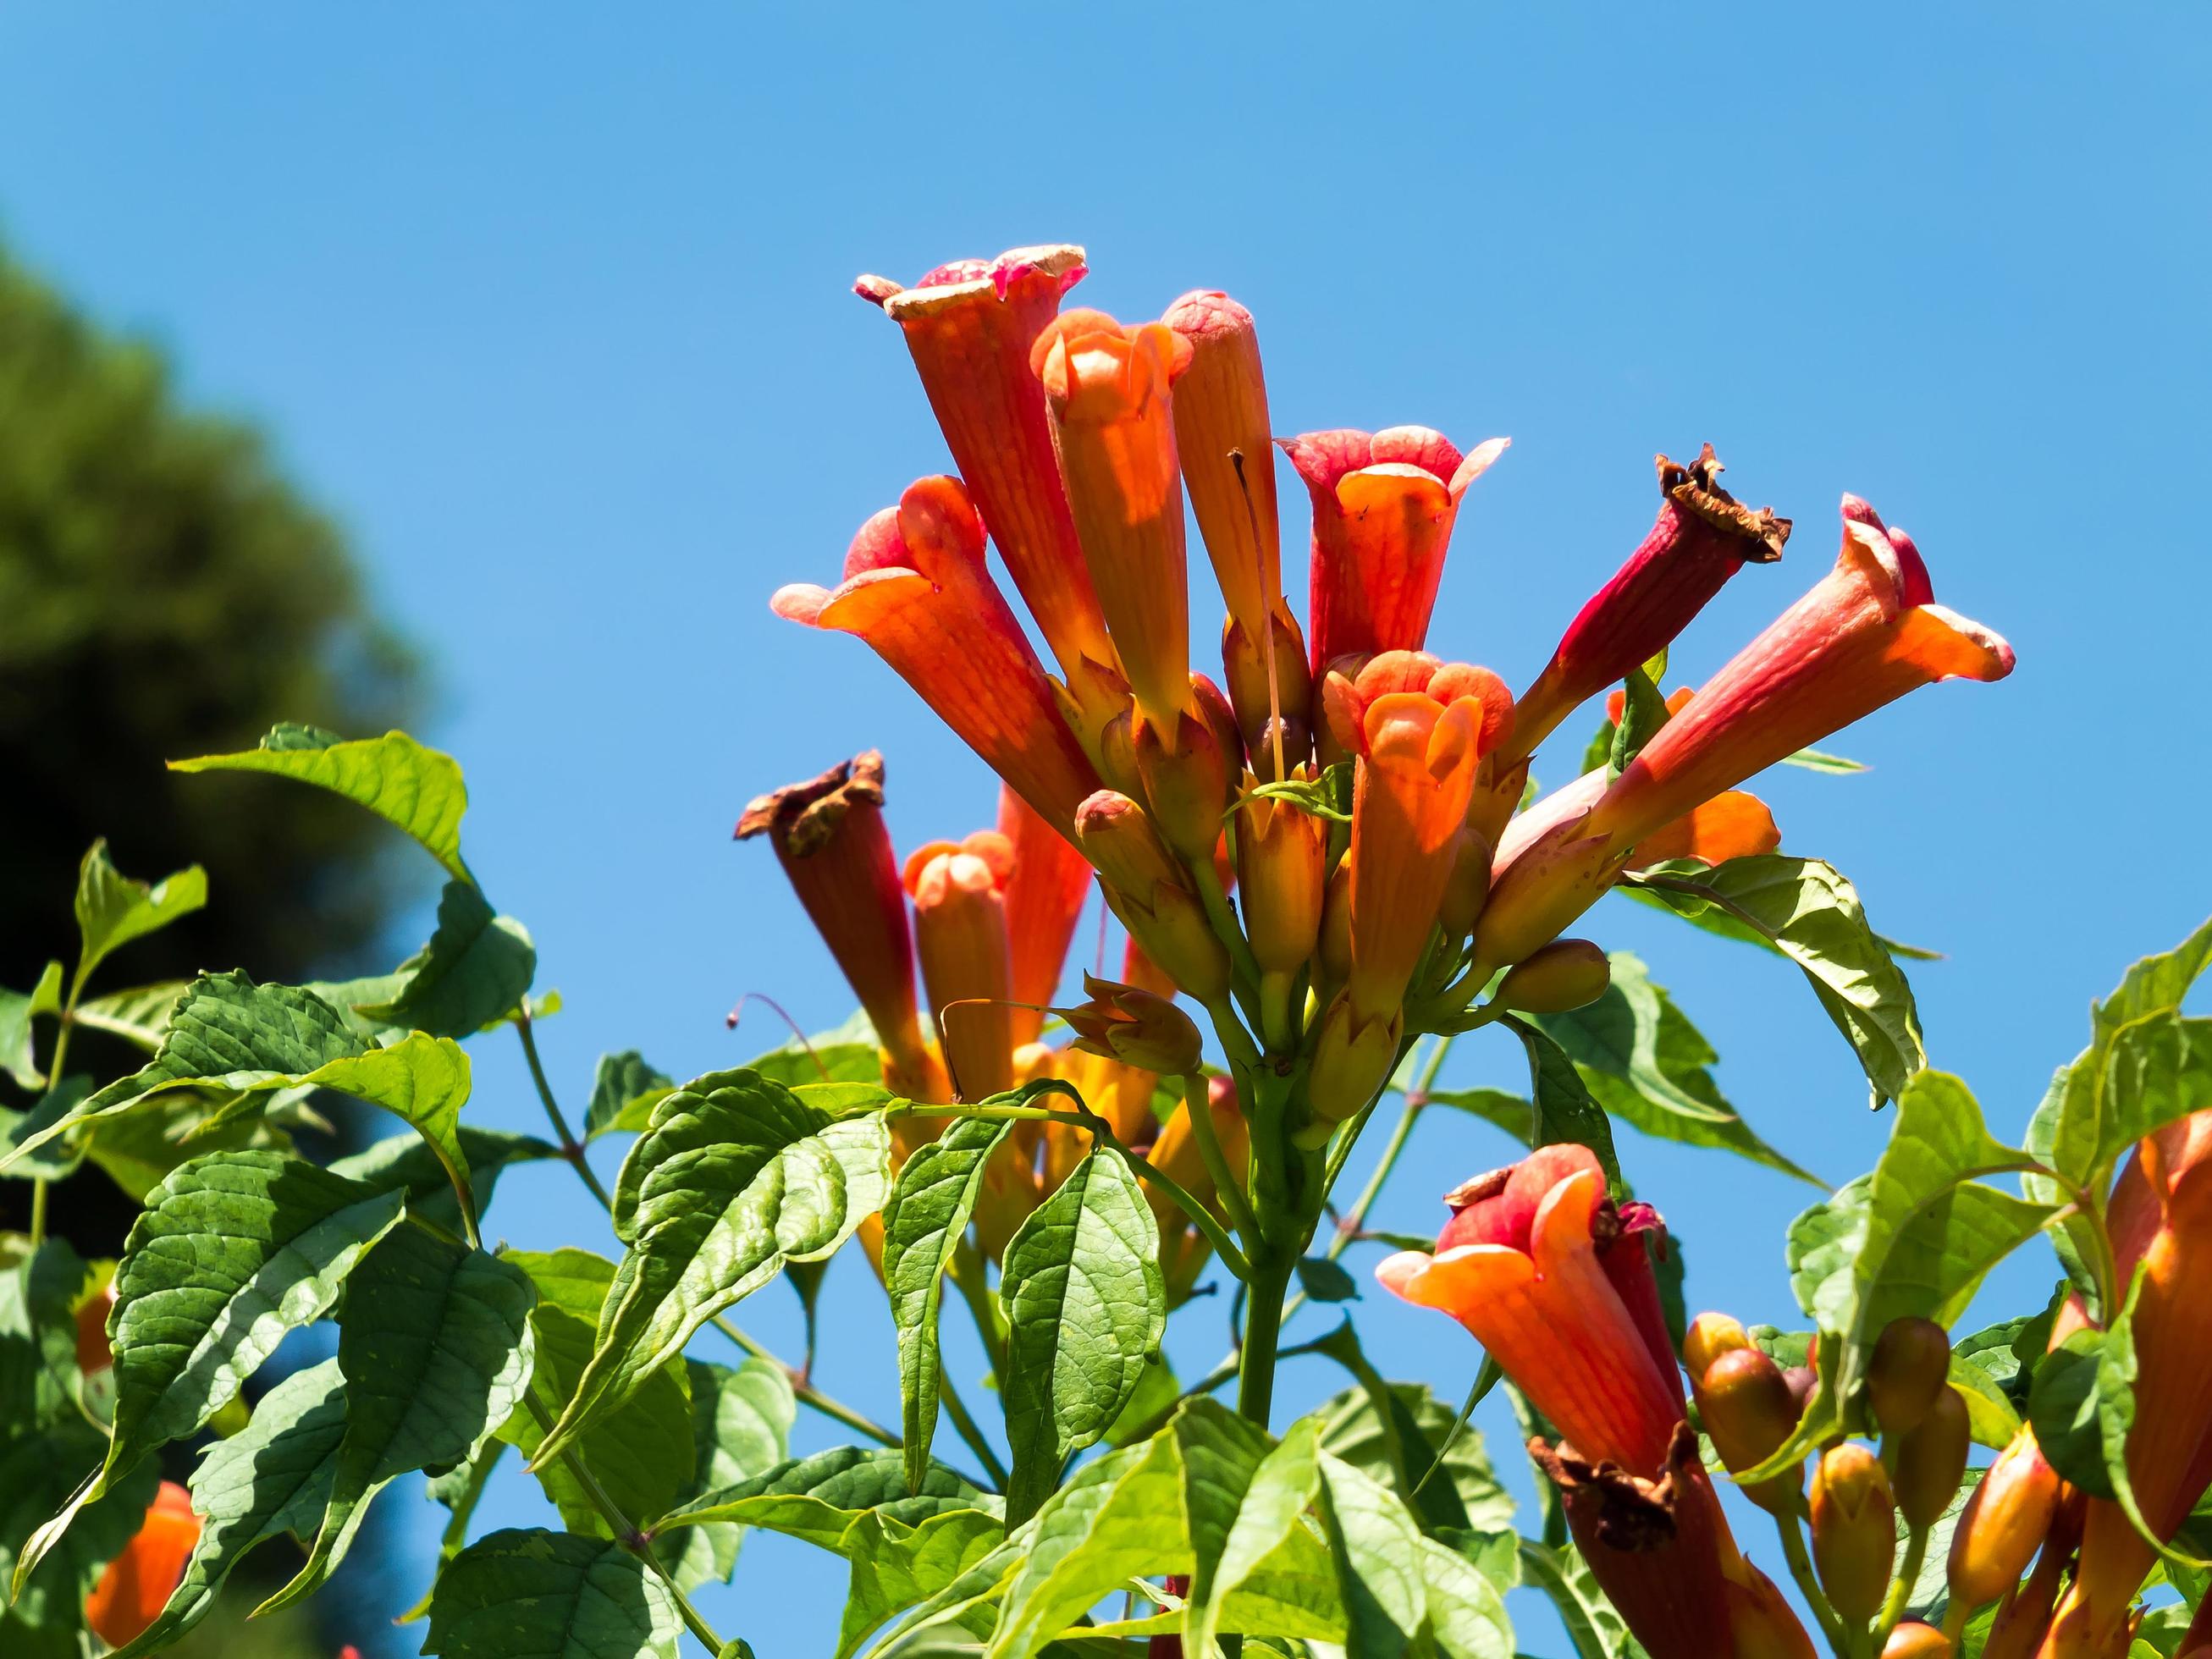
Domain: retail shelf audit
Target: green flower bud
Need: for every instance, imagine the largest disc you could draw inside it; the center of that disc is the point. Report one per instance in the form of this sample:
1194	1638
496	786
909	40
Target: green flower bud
1566	973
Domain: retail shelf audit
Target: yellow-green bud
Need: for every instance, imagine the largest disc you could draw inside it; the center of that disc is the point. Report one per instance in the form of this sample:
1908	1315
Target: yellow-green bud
1566	973
1930	1459
1854	1530
2003	1522
1912	1360
1710	1336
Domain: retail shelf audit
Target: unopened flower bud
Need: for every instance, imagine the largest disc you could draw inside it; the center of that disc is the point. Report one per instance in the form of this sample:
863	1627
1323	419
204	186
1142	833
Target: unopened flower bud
1854	1530
1187	781
1566	973
1748	1414
1282	855
1135	1026
93	1353
1710	1336
1147	892
2003	1522
1351	1060
1469	885
1930	1458
1910	1363
1803	1380
1557	877
1117	752
1914	1640
1334	949
1264	706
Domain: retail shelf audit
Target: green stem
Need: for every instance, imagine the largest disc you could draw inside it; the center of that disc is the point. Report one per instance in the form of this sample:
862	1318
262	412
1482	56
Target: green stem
1916	1551
804	1392
1223	920
627	1533
1263	1330
38	1211
1228	1185
1416	1098
1808	1585
969	1273
571	1148
956	1409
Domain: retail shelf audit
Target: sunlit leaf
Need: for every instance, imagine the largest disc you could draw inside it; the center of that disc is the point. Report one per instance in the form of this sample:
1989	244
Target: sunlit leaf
550	1596
111	909
475	969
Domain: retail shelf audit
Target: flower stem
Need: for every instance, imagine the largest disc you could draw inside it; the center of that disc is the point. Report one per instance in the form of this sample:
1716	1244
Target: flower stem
966	1427
626	1532
38	1211
1916	1551
1801	1569
1228	1184
804	1392
1263	1328
1417	1097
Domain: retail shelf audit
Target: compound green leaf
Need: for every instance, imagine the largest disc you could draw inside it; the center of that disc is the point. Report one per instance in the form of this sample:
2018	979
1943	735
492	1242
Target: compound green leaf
1467	1617
435	1344
474	971
416	789
1650	1066
549	1595
1804	909
1271	1500
928	1212
111	909
270	1479
737	1175
1085	1307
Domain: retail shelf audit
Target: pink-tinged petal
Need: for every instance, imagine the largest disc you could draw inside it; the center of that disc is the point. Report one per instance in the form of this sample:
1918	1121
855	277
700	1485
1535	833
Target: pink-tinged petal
1044	895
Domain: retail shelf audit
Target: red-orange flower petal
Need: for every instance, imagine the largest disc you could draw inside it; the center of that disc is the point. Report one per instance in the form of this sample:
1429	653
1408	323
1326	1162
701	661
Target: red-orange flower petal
916	591
1225	446
970	325
1044	893
1383	506
960	931
138	1583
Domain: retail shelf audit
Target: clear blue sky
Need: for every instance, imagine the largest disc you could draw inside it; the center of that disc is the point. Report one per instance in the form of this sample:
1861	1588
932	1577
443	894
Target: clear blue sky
550	308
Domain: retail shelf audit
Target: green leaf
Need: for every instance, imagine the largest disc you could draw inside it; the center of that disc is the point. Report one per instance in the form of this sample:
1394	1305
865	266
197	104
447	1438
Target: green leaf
36	1475
550	1596
233	1251
406	1163
141	1145
1805	910
111	909
18	1056
624	1092
741	1422
1596	1631
1467	1617
1085	1308
736	1176
816	1499
1326	797
641	1453
1377	1548
1465	1493
395	777
1565	1110
435	1342
574	1280
270	1479
473	971
139	1016
845	1054
1646	1064
1324	1280
1642	712
923	1222
895	1565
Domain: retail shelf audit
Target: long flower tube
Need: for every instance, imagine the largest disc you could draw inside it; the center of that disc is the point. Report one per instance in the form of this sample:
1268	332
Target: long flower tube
1526	1266
1702	536
916	590
1867	634
969	324
1044	896
2161	1218
136	1584
1383	506
1107	389
967	962
830	837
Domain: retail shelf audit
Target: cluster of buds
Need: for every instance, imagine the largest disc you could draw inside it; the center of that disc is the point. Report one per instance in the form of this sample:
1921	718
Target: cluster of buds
1080	438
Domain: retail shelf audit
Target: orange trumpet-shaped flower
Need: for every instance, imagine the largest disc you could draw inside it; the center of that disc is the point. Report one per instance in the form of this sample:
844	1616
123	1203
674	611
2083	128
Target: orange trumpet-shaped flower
1147	889
970	325
2161	1223
1107	387
1226	448
1044	897
1868	633
915	590
1383	505
1554	1283
138	1583
1702	536
967	964
829	837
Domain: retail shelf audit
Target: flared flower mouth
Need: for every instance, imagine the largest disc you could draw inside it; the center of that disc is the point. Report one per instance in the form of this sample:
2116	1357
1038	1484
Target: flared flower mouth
804	818
960	282
1328	460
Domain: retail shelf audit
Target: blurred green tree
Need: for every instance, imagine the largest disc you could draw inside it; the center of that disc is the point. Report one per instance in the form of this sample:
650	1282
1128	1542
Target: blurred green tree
164	592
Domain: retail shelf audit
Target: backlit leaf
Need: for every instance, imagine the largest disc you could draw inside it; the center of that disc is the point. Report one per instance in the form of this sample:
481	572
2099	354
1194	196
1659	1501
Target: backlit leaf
111	909
549	1595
